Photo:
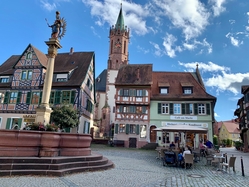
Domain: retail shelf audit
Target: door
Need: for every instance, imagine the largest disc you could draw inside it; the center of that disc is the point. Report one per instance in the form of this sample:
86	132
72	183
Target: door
132	142
152	134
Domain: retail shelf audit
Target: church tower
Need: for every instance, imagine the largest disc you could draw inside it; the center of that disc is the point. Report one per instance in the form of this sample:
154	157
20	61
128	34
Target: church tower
118	57
119	39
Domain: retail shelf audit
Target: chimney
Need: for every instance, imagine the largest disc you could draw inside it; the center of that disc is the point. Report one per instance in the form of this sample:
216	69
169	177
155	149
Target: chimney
71	51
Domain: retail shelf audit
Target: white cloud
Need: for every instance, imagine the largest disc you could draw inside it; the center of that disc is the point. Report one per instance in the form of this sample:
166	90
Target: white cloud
189	15
217	6
216	115
222	79
168	43
158	51
48	6
231	21
143	50
108	10
234	41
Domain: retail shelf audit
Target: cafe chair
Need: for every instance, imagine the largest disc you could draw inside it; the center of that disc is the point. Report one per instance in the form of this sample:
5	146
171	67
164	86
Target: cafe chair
188	159
230	163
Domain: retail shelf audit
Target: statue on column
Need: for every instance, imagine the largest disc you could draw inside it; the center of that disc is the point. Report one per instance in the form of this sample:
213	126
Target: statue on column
59	26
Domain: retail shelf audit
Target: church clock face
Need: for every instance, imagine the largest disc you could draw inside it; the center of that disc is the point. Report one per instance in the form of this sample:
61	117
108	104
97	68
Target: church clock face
118	44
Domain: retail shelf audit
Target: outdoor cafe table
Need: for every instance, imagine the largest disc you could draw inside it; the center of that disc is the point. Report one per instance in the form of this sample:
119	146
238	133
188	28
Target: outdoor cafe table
220	159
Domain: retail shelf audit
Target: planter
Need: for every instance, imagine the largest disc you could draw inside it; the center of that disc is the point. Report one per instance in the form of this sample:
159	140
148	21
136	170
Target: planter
21	143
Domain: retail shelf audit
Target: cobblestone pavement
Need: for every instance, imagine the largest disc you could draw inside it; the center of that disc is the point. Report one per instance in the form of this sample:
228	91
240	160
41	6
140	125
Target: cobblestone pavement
140	168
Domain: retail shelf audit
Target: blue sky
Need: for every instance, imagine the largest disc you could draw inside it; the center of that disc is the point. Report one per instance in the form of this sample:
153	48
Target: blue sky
171	35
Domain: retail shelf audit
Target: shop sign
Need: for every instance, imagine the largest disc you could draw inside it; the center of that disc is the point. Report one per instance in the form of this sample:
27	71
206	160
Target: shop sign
204	125
29	116
183	117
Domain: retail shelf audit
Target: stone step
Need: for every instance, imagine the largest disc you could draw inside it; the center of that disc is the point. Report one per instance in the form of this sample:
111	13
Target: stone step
54	166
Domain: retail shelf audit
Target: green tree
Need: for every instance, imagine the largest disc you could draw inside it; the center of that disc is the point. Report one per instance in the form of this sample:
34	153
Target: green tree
215	140
65	117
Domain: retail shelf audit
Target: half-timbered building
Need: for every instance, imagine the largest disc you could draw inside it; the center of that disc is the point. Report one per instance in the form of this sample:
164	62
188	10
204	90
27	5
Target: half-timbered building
21	84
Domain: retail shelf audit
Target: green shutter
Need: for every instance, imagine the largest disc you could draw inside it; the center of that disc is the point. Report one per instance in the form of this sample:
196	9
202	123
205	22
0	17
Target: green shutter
159	108
19	95
137	129
28	99
187	108
72	97
40	99
130	92
116	129
135	92
171	108
143	109
196	108
127	126
183	108
19	123
208	108
6	98
8	123
57	97
144	93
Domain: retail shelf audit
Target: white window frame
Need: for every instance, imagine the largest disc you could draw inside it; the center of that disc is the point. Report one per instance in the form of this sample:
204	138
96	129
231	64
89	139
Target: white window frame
164	90
177	108
187	90
165	108
191	108
201	109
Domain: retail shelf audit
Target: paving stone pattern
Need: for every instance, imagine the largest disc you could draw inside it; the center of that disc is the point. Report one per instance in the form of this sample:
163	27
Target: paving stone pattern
140	168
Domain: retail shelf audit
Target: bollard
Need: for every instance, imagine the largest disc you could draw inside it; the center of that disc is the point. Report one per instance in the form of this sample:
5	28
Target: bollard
242	167
226	157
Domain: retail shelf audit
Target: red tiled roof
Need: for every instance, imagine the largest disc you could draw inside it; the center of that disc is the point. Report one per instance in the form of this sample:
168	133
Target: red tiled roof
231	127
135	74
176	81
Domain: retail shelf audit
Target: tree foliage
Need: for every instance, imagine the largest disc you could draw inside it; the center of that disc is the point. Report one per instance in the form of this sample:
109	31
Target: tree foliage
65	117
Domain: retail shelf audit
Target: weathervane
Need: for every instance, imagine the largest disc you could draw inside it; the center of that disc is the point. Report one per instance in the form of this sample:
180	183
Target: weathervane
59	26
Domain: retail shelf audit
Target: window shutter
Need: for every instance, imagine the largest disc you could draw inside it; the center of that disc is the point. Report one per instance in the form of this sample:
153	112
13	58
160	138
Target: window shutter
144	92
19	123
183	108
120	109
28	98
57	97
18	100
171	108
116	129
196	108
135	92
40	99
187	108
127	128
8	123
208	108
6	98
72	97
130	92
159	108
137	129
144	109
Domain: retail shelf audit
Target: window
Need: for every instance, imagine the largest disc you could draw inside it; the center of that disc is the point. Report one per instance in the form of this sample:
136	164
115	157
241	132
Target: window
13	97
132	129
4	80
164	90
165	108
201	108
139	93
89	106
126	93
187	90
143	131
1	98
61	80
191	109
35	97
122	128
65	97
177	108
26	75
29	55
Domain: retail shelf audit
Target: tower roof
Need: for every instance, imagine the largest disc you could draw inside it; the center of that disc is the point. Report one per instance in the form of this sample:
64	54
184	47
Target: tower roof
120	20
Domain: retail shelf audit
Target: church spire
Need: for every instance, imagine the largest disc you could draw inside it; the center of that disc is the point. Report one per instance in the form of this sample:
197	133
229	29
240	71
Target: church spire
120	21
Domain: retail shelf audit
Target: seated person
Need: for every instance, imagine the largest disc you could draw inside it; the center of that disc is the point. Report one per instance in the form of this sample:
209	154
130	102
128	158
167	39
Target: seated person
203	148
172	145
180	158
187	151
209	144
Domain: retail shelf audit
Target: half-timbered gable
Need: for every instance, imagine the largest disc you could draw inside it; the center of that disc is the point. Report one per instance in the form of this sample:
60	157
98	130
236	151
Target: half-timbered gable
21	84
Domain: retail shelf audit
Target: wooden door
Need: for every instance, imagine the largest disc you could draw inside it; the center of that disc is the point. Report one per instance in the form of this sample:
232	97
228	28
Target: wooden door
152	134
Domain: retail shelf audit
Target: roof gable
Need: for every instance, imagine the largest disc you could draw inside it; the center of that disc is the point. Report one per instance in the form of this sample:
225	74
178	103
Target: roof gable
231	127
31	57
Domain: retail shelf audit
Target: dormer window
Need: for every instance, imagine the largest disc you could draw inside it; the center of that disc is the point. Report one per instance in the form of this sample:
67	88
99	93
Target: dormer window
61	77
4	79
164	90
187	90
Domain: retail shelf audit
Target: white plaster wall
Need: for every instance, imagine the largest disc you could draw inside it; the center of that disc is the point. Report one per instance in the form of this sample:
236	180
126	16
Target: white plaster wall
112	74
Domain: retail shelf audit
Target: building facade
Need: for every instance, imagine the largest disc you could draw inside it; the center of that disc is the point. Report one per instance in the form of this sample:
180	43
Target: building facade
21	84
180	98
